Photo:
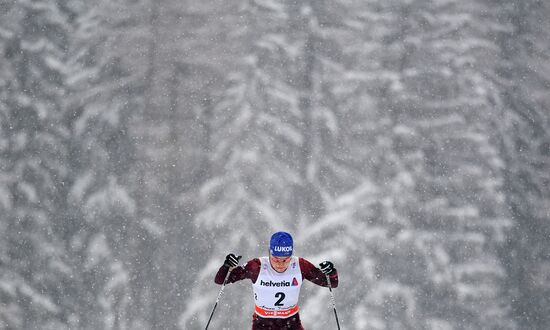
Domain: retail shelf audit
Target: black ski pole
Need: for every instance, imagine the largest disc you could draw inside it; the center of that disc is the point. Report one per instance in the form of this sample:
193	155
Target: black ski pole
218	299
333	301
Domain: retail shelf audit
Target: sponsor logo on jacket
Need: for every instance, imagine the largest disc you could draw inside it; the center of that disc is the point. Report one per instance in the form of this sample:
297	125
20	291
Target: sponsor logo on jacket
277	284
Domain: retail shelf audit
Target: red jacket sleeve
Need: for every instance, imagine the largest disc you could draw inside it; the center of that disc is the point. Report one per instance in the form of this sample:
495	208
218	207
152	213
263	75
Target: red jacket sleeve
250	270
315	275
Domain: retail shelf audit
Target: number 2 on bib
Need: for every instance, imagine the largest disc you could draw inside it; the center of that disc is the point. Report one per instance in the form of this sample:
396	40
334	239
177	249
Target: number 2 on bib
281	297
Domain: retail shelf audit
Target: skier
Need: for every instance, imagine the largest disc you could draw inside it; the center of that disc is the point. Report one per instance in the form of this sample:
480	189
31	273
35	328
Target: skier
276	282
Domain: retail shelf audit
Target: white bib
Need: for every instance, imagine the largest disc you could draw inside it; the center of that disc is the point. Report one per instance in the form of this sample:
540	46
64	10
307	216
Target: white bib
276	294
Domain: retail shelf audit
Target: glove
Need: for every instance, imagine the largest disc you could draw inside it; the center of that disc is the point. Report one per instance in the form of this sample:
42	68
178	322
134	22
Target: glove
231	260
327	267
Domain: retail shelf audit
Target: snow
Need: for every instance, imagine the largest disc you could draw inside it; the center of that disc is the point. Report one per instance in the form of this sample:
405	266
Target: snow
81	186
42	301
142	141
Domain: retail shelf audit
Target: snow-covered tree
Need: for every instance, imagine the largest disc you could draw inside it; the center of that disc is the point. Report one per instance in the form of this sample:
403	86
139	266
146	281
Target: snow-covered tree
275	148
34	41
434	213
64	150
523	80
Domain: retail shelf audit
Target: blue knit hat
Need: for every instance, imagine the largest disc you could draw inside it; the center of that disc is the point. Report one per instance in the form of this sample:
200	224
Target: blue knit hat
280	244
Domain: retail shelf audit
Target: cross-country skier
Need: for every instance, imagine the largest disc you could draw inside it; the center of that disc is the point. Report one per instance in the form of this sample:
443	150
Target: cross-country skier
276	282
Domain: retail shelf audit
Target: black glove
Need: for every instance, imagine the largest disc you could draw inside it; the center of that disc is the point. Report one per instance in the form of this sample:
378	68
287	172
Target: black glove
231	260
327	267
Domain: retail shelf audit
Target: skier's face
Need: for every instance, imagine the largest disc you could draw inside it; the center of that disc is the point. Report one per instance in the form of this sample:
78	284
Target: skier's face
280	264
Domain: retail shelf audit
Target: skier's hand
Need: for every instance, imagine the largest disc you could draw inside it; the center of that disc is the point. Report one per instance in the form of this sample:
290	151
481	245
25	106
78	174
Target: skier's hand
327	267
231	260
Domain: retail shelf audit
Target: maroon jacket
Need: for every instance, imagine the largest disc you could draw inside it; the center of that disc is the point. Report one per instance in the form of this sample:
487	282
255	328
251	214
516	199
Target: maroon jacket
251	270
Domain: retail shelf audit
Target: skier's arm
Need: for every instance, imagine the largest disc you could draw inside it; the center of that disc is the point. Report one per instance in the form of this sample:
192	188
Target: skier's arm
315	275
249	270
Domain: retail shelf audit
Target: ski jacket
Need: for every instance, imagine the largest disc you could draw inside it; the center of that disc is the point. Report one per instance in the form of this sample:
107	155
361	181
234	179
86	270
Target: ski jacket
251	270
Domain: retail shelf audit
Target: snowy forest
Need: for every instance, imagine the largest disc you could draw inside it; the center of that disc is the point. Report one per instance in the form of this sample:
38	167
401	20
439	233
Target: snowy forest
406	141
